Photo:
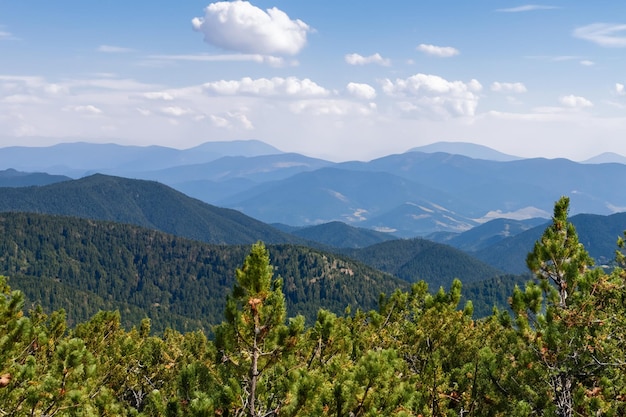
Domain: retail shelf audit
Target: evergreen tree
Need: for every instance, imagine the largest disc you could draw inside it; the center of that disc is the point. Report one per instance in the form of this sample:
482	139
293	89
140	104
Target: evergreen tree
255	340
571	324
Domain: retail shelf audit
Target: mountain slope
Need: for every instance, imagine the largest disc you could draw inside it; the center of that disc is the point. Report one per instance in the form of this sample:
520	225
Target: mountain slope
85	265
143	203
341	235
487	234
332	194
420	259
597	233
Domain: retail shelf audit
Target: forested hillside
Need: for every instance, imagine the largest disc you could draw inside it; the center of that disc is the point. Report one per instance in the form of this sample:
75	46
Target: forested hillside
419	259
84	266
143	203
558	352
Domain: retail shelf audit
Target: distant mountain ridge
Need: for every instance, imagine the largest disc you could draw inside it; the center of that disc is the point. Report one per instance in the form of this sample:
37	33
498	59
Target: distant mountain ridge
82	158
470	150
13	178
411	194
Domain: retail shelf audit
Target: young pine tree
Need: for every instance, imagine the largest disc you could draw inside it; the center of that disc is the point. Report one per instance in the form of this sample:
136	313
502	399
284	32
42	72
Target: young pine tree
255	340
571	324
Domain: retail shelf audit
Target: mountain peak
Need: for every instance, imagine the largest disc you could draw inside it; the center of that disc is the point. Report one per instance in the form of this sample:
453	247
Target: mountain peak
471	150
606	158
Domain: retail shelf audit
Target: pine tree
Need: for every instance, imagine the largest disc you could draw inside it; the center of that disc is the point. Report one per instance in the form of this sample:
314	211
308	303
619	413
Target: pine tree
255	340
571	323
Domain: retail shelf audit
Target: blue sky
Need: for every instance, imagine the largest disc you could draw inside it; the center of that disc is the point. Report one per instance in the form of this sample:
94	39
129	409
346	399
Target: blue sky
338	80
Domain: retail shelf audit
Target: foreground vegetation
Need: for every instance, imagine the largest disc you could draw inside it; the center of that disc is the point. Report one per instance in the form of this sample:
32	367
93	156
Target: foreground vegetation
559	352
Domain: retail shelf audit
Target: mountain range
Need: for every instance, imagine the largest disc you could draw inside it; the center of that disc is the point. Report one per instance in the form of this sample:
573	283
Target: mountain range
488	256
417	193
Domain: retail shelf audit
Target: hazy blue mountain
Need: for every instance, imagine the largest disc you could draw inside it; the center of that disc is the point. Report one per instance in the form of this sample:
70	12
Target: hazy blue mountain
487	234
80	158
470	150
224	177
213	192
597	233
143	203
331	194
410	194
419	218
416	193
607	158
13	178
507	187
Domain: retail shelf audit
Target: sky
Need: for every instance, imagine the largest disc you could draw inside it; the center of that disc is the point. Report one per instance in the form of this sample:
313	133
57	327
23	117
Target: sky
331	79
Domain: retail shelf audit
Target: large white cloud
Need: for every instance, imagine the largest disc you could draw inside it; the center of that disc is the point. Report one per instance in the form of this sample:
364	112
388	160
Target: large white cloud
508	87
603	34
277	86
239	26
439	51
356	59
425	93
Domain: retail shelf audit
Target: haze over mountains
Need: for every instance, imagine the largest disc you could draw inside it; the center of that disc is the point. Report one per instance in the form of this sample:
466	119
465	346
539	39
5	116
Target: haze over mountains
416	193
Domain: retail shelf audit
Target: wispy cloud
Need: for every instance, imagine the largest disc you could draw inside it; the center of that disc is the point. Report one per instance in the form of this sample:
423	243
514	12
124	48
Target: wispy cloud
356	59
499	87
604	34
109	49
526	8
6	35
262	59
440	51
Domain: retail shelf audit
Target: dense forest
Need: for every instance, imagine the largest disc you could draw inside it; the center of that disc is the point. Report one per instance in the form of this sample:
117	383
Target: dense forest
84	266
558	351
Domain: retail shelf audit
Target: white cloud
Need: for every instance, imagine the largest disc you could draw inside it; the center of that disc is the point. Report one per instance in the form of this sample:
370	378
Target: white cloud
361	91
603	34
356	59
573	101
620	89
426	93
277	86
85	109
587	63
159	95
240	26
526	8
330	108
175	111
440	51
231	120
113	49
508	87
